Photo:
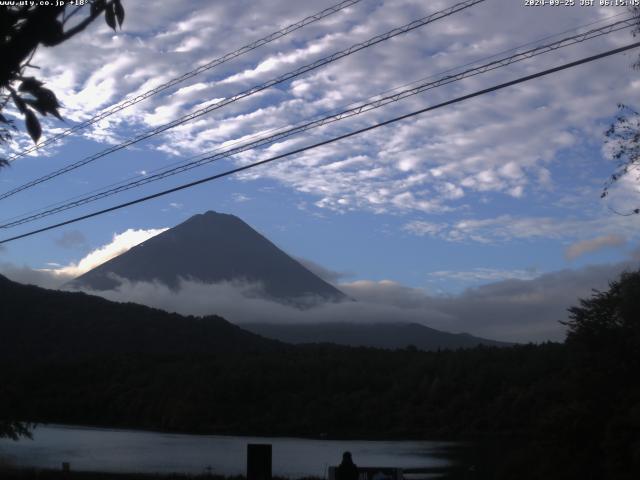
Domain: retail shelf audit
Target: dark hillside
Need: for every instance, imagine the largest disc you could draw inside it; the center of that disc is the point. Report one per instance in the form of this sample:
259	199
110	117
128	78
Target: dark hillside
569	411
36	323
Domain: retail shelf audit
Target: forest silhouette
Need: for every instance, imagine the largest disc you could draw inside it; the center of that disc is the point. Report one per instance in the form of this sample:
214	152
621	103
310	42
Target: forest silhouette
574	406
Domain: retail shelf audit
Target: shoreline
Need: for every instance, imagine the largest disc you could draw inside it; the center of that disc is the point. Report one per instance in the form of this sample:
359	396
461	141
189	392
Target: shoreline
28	473
203	459
319	437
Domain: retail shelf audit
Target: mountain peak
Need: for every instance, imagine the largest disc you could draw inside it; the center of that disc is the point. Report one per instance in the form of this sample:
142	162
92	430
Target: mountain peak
212	215
212	247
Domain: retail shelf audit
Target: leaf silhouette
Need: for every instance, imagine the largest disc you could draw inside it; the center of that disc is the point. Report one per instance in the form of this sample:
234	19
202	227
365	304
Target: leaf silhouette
47	101
19	102
110	16
119	11
51	33
96	6
30	84
33	125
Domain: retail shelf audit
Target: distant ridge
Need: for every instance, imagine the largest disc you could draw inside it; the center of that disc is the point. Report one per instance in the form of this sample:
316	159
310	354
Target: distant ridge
210	248
389	335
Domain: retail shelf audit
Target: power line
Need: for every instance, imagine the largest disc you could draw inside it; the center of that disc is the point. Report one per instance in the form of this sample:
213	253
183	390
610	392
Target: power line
190	74
338	109
515	49
329	141
350	112
282	78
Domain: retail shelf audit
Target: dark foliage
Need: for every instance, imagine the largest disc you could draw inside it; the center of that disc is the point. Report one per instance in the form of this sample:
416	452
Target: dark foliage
311	391
45	325
623	135
555	410
39	326
14	430
24	28
604	342
624	138
39	474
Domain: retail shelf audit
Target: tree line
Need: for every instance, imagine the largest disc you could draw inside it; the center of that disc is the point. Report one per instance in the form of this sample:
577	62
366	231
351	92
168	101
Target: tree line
576	404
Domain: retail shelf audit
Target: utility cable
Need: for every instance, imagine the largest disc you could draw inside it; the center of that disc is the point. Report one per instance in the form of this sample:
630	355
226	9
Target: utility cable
251	91
190	74
350	112
329	141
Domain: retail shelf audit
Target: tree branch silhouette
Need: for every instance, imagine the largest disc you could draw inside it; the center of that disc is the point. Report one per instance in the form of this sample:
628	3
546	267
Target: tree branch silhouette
27	28
24	29
623	136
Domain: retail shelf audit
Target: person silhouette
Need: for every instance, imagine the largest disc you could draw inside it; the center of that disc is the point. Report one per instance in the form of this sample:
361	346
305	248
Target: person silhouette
347	470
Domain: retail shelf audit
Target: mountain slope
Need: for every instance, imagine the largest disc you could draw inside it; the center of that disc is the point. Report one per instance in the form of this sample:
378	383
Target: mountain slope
36	323
378	335
210	248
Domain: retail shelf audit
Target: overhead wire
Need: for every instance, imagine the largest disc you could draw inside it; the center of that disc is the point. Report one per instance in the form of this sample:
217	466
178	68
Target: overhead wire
251	91
357	109
396	88
190	74
338	109
328	141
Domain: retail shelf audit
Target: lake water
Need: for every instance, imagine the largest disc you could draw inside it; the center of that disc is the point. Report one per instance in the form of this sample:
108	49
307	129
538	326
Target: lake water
109	450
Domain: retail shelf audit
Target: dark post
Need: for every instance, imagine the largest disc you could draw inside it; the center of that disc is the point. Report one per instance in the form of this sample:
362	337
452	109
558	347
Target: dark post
258	461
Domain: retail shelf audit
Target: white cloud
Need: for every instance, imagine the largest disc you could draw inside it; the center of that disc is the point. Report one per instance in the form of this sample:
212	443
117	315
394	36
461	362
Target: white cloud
120	243
518	305
509	310
508	145
274	63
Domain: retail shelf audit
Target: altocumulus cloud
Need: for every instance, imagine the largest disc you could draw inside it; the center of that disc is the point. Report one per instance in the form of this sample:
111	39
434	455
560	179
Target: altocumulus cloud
493	146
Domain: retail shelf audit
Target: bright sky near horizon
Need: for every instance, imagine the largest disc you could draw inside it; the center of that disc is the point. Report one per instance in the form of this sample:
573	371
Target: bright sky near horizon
497	191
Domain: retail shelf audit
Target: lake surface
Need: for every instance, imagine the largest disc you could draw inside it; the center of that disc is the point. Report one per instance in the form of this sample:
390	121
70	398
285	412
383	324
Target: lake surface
109	450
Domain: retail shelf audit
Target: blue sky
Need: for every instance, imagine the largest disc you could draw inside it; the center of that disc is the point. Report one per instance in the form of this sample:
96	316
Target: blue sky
504	187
